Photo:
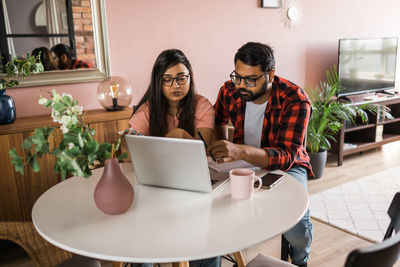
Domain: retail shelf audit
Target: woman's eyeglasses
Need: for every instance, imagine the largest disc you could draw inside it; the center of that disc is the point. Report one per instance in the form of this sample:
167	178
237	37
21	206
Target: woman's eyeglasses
249	82
180	80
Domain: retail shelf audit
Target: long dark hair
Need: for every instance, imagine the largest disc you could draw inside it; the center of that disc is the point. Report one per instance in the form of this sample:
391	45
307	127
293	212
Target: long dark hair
158	103
45	58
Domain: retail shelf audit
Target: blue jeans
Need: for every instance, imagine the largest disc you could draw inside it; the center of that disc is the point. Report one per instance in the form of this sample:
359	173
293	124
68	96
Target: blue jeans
300	236
210	262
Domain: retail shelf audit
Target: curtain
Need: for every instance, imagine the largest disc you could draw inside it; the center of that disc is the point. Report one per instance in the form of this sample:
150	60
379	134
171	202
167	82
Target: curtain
53	19
10	41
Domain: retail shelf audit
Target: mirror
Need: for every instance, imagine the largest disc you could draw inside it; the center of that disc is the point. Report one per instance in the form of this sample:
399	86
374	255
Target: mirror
81	24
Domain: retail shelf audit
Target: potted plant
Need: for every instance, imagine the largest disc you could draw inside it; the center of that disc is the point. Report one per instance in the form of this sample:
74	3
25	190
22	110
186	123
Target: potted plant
327	118
77	153
12	71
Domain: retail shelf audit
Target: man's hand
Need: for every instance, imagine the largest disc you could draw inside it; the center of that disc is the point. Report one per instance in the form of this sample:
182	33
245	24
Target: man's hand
179	133
225	151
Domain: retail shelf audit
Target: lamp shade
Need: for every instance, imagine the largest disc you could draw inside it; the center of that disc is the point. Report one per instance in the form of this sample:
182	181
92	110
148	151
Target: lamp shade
114	93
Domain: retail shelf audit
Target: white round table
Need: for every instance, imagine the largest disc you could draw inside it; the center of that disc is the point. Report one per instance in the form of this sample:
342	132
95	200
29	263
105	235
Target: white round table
165	225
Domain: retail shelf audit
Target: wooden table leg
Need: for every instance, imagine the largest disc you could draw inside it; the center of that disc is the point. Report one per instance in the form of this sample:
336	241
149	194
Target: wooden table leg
239	259
180	264
117	264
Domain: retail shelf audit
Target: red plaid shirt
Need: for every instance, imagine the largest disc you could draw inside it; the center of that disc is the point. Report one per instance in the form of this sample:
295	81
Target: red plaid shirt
80	64
284	126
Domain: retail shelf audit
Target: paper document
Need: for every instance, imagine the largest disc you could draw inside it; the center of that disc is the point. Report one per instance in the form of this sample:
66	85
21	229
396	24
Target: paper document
227	166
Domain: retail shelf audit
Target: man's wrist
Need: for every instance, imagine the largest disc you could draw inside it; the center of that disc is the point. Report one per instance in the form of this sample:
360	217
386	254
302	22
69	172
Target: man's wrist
244	152
254	155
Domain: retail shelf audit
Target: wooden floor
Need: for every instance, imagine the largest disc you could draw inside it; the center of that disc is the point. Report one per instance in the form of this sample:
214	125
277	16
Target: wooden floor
330	246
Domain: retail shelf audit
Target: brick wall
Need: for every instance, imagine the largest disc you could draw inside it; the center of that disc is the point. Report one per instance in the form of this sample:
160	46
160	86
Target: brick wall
82	16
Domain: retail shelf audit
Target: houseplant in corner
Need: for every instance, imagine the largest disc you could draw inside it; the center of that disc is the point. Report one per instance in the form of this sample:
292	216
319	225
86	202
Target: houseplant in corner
327	118
77	153
12	71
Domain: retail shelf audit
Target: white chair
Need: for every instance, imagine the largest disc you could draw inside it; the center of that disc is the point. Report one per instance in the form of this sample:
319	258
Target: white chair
262	260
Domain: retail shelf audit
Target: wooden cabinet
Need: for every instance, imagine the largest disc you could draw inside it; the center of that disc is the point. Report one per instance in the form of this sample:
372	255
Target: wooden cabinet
379	130
18	193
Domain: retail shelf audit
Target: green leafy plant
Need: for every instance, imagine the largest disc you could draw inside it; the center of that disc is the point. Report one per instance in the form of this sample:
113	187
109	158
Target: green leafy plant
17	67
329	114
77	153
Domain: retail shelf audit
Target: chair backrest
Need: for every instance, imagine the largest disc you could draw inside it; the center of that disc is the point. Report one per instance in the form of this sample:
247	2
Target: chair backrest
394	214
384	254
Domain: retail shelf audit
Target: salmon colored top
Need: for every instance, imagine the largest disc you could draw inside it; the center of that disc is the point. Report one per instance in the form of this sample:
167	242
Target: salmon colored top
204	117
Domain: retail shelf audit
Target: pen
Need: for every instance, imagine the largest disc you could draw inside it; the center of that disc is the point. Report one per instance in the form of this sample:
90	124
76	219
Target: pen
205	144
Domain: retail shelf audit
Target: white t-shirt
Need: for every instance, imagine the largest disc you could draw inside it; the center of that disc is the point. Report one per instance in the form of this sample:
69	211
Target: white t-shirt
253	123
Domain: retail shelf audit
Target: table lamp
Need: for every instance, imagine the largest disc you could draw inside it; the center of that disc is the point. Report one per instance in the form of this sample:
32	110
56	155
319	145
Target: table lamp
114	93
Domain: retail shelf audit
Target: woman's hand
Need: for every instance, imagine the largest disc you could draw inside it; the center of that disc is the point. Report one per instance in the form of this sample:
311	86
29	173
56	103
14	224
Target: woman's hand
129	131
179	133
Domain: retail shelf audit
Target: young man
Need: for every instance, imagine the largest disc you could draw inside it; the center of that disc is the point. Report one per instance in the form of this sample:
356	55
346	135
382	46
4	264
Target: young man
270	116
64	58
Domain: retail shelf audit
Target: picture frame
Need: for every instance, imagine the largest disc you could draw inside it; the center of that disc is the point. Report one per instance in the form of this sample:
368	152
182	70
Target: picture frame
271	3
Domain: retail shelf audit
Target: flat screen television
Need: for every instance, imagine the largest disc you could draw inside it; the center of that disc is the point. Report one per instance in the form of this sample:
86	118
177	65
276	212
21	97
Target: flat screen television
366	65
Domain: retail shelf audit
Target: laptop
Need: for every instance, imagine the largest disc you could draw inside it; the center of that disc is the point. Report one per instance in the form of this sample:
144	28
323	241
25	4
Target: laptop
172	163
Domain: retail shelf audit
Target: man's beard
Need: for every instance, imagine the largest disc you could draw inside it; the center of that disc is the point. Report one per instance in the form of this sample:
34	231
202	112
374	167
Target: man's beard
250	96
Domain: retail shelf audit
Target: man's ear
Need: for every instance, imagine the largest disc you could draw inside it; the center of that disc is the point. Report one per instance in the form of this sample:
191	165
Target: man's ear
64	58
271	75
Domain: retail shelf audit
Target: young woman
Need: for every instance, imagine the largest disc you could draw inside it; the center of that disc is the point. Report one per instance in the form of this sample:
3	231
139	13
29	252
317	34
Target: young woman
45	57
170	107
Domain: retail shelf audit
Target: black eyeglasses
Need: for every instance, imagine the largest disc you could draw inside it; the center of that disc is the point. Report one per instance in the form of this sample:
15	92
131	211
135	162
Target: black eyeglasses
180	80
249	82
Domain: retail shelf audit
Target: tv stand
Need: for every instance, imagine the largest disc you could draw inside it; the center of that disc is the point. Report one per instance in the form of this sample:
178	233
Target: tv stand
386	93
344	99
358	137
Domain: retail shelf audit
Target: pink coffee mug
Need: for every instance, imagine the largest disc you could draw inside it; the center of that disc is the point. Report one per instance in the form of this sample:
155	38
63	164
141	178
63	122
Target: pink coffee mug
242	183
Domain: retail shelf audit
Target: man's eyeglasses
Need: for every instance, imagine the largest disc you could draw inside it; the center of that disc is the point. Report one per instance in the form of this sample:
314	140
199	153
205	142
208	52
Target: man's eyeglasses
180	80
249	82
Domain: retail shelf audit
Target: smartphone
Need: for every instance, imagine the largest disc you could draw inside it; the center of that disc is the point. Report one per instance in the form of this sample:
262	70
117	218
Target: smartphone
271	179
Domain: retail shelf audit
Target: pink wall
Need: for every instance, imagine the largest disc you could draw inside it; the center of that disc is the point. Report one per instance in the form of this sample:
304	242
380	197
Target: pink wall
209	33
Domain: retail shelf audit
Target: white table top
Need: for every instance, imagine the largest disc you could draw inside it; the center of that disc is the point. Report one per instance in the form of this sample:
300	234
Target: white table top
165	225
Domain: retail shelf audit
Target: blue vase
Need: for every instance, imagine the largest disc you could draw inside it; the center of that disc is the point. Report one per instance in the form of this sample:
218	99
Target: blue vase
7	108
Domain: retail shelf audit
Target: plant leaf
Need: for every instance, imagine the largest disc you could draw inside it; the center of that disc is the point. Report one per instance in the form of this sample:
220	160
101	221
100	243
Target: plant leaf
35	164
16	161
123	156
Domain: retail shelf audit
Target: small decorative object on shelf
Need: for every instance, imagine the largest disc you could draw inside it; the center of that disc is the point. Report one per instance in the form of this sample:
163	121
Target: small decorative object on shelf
12	71
349	146
114	93
77	153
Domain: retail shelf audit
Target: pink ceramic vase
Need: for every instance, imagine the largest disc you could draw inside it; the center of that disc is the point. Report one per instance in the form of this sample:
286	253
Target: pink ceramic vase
114	193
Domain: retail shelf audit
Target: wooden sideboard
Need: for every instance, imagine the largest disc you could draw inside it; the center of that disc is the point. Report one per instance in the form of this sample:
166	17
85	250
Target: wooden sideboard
18	193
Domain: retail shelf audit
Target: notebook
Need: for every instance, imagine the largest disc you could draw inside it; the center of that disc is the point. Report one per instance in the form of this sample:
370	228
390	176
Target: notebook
172	163
227	166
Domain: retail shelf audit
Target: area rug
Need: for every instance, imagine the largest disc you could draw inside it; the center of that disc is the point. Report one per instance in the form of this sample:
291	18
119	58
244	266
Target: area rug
359	207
